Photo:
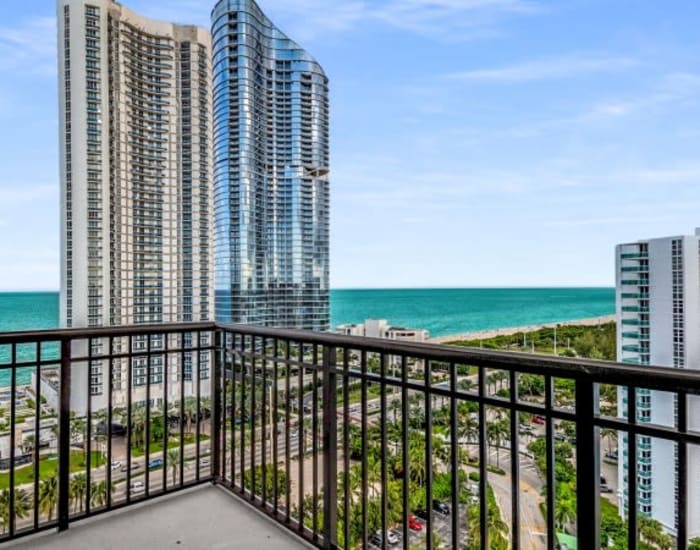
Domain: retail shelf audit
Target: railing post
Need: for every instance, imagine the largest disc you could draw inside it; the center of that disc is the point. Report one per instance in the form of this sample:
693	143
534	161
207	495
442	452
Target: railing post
587	465
330	449
216	405
64	437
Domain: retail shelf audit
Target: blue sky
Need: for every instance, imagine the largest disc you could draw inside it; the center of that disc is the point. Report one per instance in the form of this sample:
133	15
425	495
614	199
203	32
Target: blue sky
474	142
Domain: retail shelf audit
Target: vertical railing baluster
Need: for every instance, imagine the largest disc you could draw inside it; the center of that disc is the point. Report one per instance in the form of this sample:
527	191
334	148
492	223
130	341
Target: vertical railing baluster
87	443
253	418
632	504
514	460
384	452
166	425
198	431
287	434
483	458
13	439
274	427
550	460
346	448
363	428
245	410
454	455
37	426
302	435
64	437
404	445
587	464
314	441
234	413
330	449
182	340
129	414
147	428
218	401
682	478
264	422
428	379
108	427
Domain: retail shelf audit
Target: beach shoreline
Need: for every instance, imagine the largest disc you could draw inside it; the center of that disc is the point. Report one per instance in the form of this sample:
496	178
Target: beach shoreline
492	333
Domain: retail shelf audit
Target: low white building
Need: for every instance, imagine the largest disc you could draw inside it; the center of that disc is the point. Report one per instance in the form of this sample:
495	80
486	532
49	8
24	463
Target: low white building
380	328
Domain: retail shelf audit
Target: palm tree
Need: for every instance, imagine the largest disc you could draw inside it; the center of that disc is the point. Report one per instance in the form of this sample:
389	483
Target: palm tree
173	461
98	493
497	431
48	496
78	489
190	412
22	506
139	419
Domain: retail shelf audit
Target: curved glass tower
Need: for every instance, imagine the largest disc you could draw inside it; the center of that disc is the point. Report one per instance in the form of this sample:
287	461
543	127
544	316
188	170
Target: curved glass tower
271	190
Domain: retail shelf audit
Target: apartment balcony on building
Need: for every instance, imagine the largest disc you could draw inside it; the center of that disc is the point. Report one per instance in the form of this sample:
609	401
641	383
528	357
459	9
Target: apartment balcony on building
243	437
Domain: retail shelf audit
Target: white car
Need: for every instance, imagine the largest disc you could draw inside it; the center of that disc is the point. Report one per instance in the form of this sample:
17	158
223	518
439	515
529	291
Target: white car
137	487
116	464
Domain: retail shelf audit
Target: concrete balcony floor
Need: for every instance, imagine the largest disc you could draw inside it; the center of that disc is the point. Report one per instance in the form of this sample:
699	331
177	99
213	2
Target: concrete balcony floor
203	518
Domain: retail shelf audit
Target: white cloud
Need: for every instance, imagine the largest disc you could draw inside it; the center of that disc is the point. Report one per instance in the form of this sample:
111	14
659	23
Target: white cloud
674	88
29	46
452	20
547	69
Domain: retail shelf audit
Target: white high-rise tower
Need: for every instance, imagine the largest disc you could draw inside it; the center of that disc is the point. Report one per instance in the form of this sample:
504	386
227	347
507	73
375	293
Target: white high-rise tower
658	311
136	173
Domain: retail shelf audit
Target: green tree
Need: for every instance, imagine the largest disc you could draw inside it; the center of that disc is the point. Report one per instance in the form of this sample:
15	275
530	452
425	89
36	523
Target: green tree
174	462
22	502
48	496
78	490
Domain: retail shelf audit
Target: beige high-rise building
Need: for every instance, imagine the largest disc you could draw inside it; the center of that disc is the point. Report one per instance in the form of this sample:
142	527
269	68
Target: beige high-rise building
136	173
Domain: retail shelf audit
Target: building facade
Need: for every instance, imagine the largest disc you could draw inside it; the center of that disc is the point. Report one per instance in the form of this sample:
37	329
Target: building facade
270	174
136	175
658	311
380	328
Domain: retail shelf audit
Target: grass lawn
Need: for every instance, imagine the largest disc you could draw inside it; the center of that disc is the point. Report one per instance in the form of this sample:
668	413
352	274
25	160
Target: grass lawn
173	443
49	468
355	395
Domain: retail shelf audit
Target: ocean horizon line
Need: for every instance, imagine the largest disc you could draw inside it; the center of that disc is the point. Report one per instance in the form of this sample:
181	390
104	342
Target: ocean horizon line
530	287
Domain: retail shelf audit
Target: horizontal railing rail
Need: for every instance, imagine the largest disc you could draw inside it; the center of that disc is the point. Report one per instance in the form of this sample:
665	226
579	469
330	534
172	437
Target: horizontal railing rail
350	442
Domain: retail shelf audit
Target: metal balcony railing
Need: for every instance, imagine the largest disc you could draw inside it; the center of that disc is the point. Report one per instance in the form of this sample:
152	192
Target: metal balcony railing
349	442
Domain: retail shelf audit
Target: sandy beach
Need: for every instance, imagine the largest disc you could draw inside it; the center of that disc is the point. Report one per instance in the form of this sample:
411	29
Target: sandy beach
485	334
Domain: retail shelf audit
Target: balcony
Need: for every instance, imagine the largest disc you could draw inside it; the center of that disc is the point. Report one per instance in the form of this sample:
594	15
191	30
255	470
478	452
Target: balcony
289	436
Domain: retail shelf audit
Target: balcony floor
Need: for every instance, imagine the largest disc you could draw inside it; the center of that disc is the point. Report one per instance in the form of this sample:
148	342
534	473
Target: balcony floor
205	518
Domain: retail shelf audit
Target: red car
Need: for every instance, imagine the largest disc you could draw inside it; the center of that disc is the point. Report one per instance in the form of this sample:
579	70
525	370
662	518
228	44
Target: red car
414	523
537	420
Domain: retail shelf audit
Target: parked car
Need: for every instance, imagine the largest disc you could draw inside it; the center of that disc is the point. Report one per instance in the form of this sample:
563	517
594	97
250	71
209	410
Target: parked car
422	513
559	437
134	466
155	463
441	508
414	523
391	538
537	420
137	487
116	464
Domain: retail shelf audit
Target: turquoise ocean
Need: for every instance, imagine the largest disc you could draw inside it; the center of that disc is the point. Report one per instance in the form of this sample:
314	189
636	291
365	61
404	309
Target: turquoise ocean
441	311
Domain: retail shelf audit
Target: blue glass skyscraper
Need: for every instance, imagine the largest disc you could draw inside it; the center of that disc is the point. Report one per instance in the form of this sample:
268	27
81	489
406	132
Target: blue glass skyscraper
271	189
